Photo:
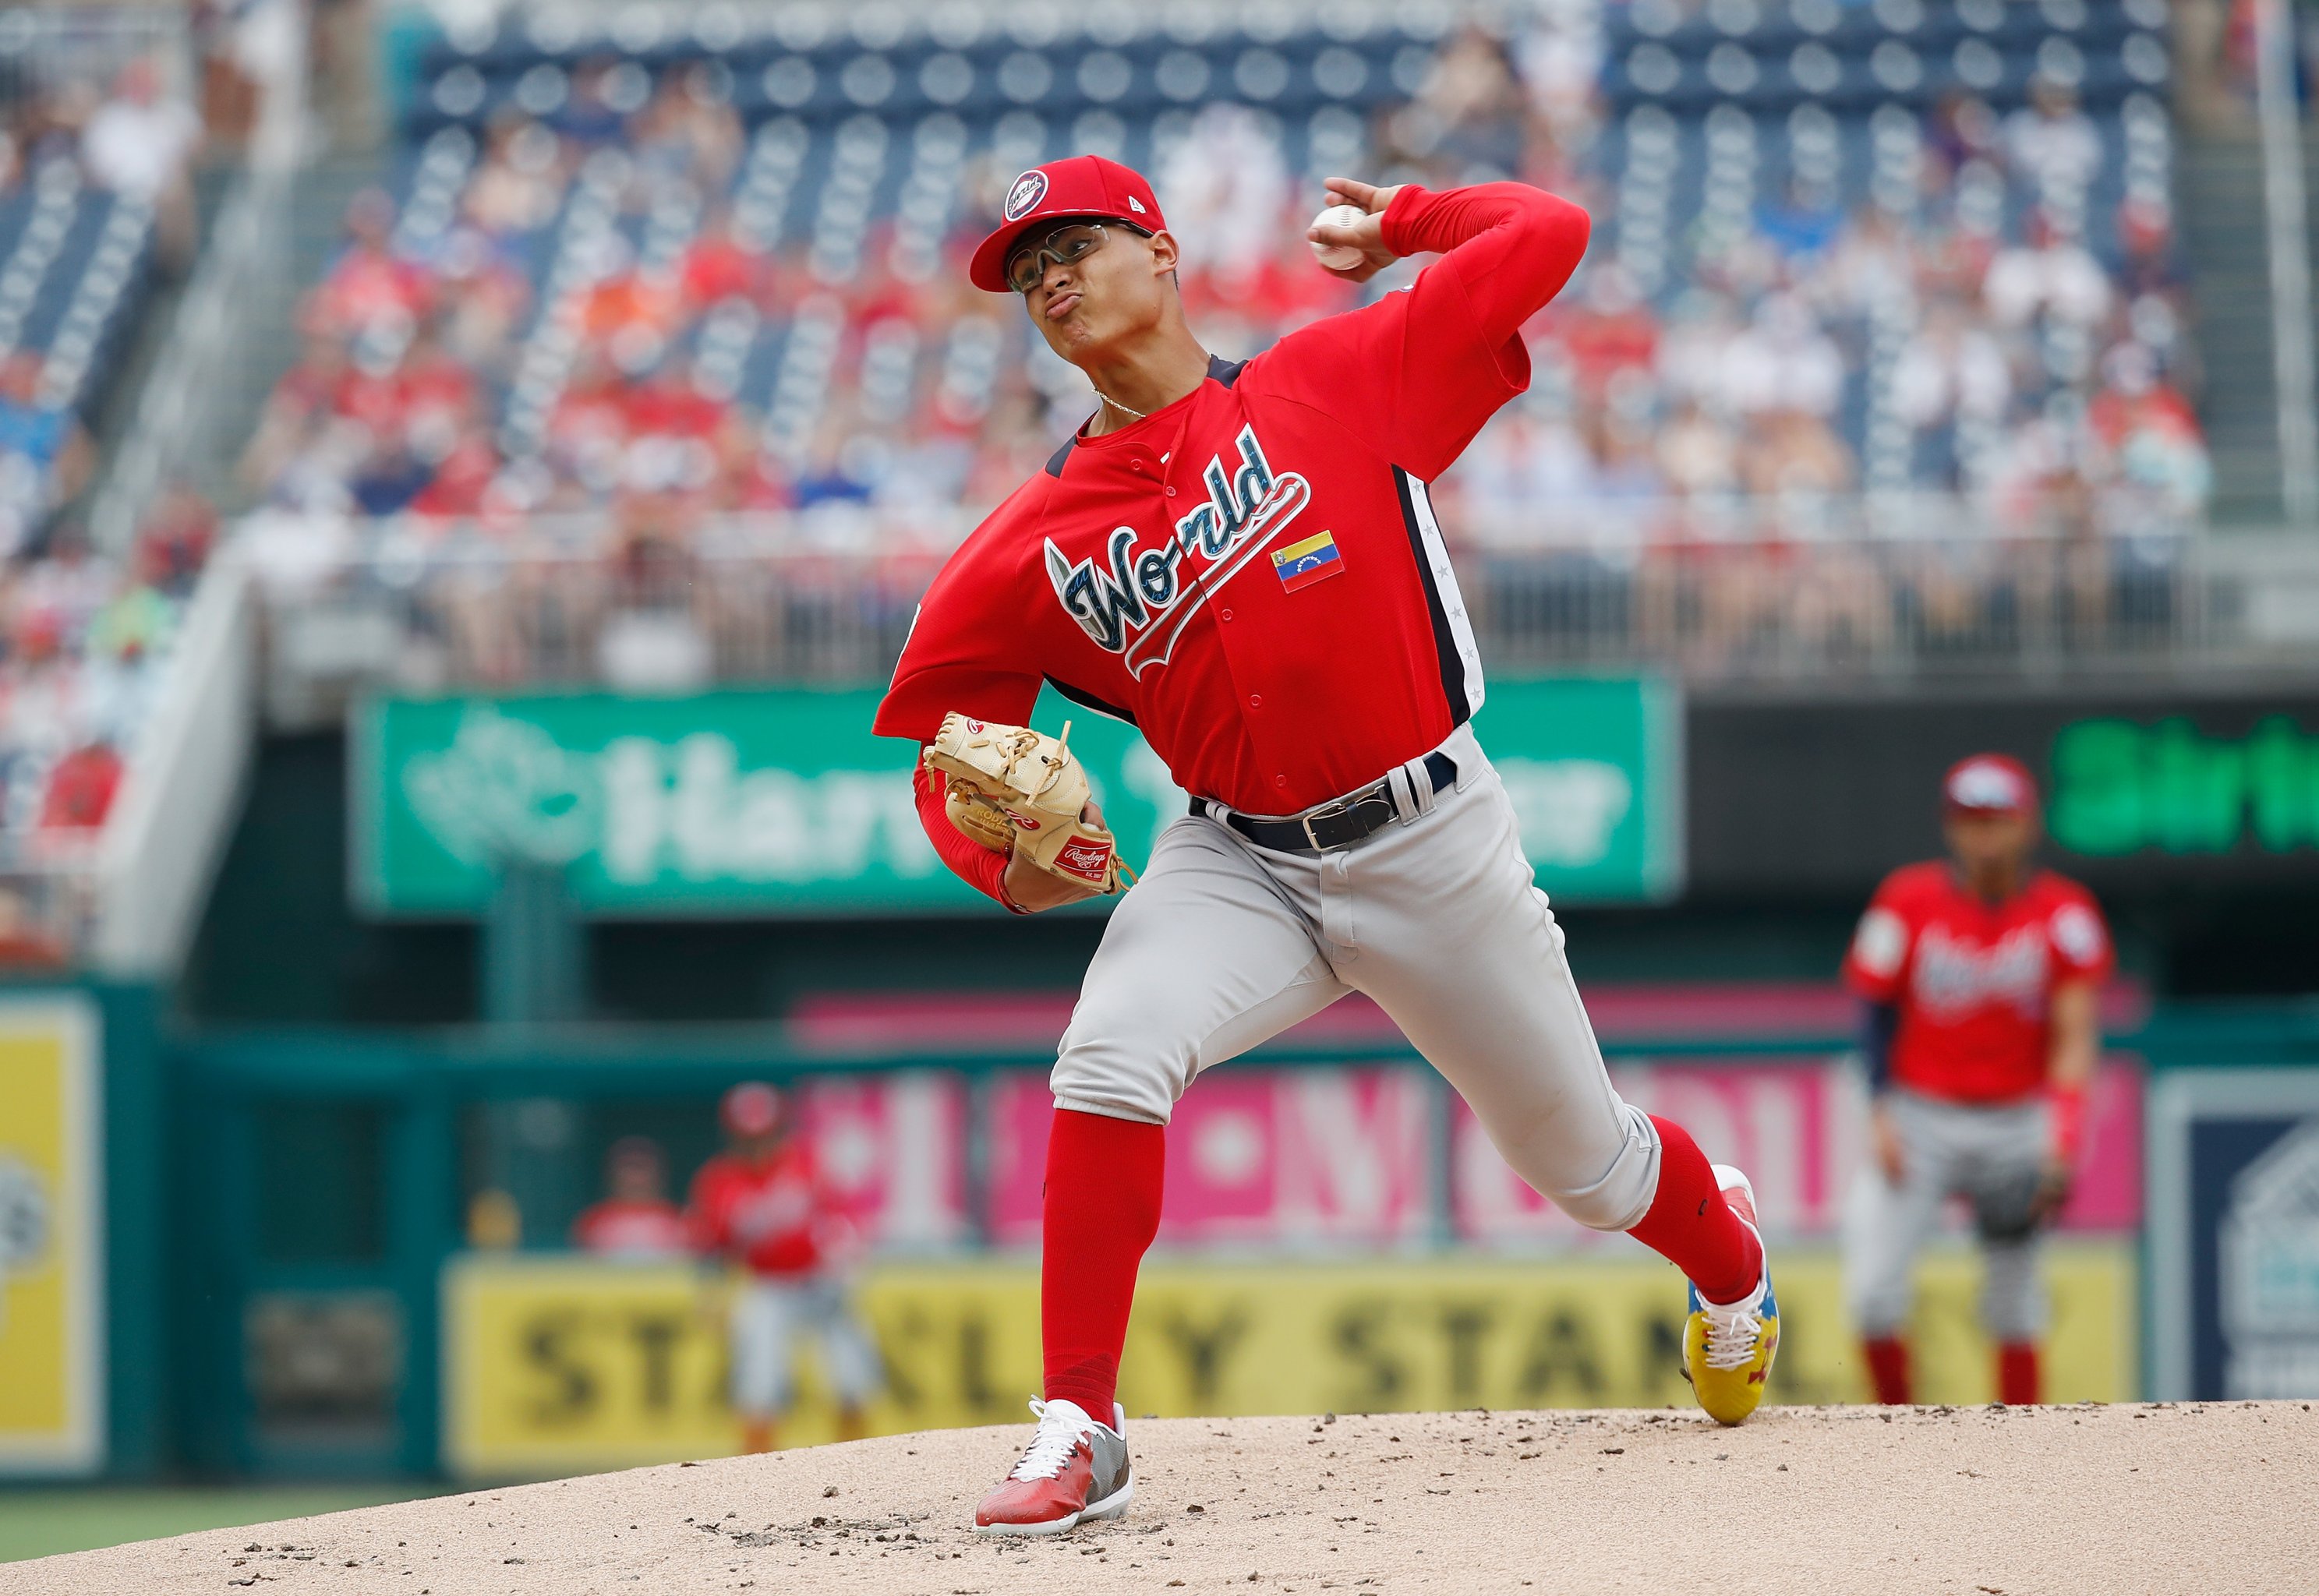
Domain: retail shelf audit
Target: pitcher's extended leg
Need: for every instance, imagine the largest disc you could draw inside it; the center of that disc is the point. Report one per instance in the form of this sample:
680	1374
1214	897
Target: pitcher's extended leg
1441	921
1455	943
1691	1224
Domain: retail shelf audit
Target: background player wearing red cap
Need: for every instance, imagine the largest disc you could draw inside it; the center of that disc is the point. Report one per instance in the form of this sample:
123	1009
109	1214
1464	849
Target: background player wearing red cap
1242	561
764	1205
1980	975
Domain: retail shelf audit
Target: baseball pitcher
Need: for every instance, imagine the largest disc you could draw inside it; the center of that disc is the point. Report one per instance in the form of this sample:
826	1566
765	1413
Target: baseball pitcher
1241	559
1979	975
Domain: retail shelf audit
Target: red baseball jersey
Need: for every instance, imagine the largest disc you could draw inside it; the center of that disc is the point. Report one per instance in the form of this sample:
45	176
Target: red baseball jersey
1253	576
779	1217
1974	981
621	1229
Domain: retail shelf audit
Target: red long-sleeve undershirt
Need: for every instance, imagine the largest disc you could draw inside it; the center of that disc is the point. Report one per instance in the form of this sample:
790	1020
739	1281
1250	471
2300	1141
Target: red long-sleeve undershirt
977	866
1512	246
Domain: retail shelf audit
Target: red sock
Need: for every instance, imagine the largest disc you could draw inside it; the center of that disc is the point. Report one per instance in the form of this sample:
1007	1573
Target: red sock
2016	1373
1887	1369
1102	1209
1691	1223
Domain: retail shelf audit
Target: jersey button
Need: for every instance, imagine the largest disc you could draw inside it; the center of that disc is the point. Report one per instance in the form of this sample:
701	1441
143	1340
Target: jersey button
1171	490
1224	615
1256	700
1280	781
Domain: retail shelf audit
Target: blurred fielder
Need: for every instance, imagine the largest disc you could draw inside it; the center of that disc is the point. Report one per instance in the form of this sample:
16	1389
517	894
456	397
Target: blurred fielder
635	1219
1980	975
763	1205
1241	559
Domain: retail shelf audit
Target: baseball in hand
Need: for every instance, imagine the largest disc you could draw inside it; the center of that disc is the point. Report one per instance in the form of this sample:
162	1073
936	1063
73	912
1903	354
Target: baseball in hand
1338	257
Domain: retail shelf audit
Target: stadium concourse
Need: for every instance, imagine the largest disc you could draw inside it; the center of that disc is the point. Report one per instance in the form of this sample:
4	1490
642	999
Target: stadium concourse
2120	1499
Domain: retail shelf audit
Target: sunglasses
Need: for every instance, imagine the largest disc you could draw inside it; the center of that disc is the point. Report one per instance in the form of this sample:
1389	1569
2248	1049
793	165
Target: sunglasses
1064	246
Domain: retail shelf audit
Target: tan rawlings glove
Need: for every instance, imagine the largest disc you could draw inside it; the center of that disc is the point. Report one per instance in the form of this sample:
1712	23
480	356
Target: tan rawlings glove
1015	791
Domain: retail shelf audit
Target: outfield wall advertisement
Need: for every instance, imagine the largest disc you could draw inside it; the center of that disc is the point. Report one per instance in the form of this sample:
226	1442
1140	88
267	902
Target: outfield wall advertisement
52	1328
760	802
2192	787
555	1365
1376	1155
2235	1234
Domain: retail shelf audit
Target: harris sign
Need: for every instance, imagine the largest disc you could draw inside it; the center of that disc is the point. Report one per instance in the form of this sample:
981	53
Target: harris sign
749	803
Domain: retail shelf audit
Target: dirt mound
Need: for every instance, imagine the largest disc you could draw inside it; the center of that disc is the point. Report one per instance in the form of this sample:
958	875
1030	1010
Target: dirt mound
2115	1499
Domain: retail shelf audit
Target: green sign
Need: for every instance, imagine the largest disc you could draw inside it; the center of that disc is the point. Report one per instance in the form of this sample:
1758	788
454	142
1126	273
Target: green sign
756	802
2119	788
1594	768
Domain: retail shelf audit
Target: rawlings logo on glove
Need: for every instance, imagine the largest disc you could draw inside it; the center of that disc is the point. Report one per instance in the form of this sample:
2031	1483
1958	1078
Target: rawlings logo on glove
1015	792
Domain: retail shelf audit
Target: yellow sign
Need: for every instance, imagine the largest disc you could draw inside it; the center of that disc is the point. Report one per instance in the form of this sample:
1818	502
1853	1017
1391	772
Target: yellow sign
557	1364
51	1238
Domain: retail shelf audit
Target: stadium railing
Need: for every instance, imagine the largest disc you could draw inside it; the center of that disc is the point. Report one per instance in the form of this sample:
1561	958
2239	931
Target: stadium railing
1918	586
41	45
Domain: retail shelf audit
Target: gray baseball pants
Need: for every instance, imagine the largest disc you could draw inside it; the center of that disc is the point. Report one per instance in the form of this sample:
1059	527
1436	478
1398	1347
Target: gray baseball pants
1224	945
770	1316
1959	1150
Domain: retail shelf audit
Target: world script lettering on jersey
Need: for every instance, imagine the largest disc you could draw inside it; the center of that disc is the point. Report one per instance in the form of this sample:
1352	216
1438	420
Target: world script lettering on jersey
785	1205
1138	601
1952	977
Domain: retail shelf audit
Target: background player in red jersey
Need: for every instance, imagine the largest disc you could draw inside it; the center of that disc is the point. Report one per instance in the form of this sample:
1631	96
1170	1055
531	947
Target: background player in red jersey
1981	974
634	1219
1242	560
764	1205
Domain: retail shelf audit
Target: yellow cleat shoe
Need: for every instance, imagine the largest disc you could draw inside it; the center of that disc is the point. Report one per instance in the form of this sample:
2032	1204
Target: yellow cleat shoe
1727	1351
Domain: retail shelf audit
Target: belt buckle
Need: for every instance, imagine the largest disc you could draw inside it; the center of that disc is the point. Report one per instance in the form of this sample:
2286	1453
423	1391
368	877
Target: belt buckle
1327	811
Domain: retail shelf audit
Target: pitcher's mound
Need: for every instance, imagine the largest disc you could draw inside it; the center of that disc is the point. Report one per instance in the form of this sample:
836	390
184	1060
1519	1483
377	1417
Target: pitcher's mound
1971	1501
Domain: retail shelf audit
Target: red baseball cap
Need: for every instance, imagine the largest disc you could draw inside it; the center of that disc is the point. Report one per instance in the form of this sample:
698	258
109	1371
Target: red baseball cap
753	1108
1078	185
1989	784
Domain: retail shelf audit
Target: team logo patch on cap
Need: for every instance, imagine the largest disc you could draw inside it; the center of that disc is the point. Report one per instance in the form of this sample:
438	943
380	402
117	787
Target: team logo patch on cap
1024	198
1985	784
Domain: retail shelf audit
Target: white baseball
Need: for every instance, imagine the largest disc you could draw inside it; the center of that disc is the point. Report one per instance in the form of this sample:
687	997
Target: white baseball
1338	257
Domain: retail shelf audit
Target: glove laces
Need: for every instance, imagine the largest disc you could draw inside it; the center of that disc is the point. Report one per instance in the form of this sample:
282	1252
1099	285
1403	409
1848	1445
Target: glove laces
1732	1335
1059	1437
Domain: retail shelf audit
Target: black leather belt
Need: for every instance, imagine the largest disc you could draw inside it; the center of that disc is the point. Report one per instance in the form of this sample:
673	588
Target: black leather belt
1339	824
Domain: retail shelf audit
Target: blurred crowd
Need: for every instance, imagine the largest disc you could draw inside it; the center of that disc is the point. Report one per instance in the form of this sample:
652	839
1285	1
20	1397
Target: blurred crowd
2000	313
582	311
137	137
82	637
493	368
84	645
81	634
70	152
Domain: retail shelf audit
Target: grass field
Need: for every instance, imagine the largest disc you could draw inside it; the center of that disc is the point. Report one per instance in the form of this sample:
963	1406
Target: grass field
36	1521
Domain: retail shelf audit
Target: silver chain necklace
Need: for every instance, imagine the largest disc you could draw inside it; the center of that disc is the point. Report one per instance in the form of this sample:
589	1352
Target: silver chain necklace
1108	399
